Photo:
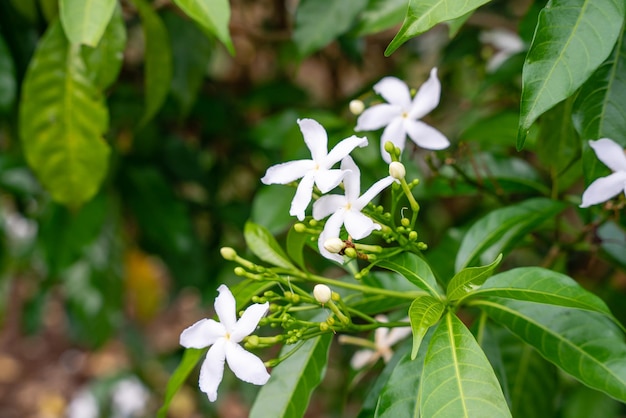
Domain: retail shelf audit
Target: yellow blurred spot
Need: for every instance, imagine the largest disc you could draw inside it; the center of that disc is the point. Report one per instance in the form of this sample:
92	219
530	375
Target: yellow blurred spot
146	283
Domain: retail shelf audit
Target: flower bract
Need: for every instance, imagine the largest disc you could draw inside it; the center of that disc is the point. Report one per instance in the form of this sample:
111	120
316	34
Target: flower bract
605	188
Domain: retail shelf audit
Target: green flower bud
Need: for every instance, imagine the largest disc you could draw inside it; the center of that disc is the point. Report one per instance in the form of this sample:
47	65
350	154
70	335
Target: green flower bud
412	235
350	252
228	253
405	222
299	227
240	271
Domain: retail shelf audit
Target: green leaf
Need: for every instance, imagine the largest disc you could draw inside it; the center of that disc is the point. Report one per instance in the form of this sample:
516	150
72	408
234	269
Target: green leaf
425	311
8	81
380	15
458	380
287	393
84	21
263	244
158	60
572	38
469	279
585	402
213	17
62	121
295	246
247	288
424	14
587	345
270	208
501	229
455	25
415	269
191	357
319	22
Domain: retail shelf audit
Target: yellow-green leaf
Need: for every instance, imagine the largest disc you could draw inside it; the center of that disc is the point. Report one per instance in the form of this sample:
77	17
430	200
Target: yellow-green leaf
84	21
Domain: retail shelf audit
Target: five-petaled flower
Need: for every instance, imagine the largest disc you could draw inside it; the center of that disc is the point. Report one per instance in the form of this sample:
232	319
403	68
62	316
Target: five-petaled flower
400	116
346	210
316	171
224	338
384	339
605	188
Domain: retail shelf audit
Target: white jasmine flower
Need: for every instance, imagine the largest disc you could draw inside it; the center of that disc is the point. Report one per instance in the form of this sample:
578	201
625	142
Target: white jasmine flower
605	188
400	116
316	171
129	398
506	43
224	338
384	339
346	210
83	405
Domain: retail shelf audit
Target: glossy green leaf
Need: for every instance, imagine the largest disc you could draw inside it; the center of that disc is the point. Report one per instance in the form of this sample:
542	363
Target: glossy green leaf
587	345
415	269
584	402
424	14
455	25
263	244
191	357
501	229
319	22
287	393
470	278
425	311
572	39
295	246
458	380
213	16
84	21
380	15
158	60
270	208
62	121
613	241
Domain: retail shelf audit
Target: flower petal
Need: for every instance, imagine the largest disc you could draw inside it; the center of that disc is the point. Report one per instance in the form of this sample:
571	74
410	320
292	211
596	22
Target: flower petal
202	334
397	334
287	172
372	192
610	153
343	148
315	138
327	180
212	369
246	365
377	116
249	321
352	179
363	357
427	97
226	308
331	230
426	136
604	189
395	91
358	225
327	205
303	196
395	133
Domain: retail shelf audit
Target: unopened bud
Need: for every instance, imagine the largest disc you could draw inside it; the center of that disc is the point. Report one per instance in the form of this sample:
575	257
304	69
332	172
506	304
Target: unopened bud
322	293
397	170
389	147
350	252
412	235
405	222
357	107
228	253
240	271
334	245
299	227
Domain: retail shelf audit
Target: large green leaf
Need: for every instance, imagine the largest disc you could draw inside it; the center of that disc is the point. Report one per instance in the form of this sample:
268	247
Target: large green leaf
458	380
212	15
287	393
84	21
191	357
572	38
295	246
380	15
470	278
62	121
425	311
424	14
415	269
501	229
263	244
8	81
319	22
587	345
158	60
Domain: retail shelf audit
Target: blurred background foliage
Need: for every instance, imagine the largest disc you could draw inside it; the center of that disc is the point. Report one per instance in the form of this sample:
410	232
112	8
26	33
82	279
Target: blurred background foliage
93	292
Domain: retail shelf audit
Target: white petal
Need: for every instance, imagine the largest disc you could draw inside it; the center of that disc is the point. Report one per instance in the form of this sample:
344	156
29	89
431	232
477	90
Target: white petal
363	357
303	196
610	153
249	321
327	180
372	192
327	205
315	138
396	335
246	365
351	180
212	369
287	172
395	133
226	308
503	39
331	230
344	148
377	116
604	189
358	225
202	334
426	136
395	91
427	97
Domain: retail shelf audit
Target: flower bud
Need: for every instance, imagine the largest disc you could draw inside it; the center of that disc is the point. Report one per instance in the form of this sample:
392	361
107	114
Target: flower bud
240	271
357	107
351	252
299	227
389	147
228	253
397	170
412	235
322	293
334	245
405	222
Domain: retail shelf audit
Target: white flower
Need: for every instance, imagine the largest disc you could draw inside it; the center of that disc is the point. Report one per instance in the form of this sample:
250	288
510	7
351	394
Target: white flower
129	398
318	170
346	210
401	115
83	405
224	338
506	43
384	339
604	188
